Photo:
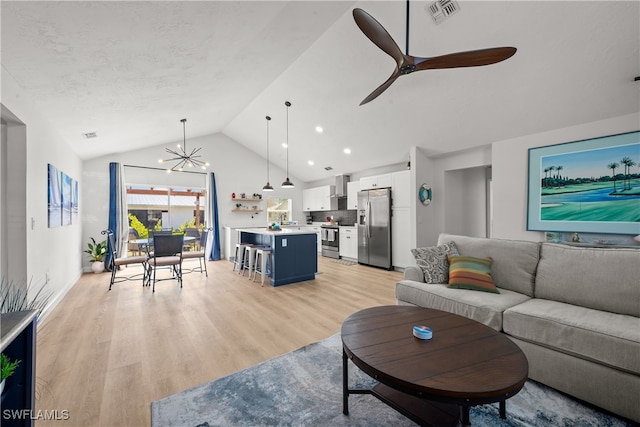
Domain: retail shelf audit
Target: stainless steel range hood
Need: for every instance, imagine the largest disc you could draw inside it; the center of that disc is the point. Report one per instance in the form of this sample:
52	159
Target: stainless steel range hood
341	186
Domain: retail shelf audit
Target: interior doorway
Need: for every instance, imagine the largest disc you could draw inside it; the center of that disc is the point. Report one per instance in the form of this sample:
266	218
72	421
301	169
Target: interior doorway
13	199
467	201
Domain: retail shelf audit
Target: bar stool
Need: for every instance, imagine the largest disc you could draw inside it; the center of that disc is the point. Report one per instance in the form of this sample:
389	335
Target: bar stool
262	255
238	257
249	256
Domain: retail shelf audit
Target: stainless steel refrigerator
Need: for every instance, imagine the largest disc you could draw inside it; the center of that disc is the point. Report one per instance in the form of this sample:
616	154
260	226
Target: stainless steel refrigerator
374	227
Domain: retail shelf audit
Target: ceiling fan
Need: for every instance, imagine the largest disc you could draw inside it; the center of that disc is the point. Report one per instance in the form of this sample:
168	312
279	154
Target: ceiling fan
406	64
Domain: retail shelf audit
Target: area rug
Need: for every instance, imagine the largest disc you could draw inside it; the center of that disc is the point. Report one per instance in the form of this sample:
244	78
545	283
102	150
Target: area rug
344	262
304	388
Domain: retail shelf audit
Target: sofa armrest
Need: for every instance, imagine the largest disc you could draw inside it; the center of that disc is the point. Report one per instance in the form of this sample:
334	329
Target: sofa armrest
413	272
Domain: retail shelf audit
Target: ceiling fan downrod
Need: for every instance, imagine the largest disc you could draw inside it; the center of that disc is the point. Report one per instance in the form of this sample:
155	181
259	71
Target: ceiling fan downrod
406	52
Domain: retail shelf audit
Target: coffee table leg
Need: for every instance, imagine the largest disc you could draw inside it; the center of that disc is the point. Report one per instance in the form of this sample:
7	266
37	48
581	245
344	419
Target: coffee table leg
345	385
503	409
464	416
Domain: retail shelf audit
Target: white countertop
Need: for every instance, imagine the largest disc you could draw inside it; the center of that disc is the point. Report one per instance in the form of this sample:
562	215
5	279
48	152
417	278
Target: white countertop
276	233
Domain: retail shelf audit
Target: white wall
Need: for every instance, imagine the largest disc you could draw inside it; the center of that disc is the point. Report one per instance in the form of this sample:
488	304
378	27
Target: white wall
458	182
237	170
52	253
424	217
510	164
355	176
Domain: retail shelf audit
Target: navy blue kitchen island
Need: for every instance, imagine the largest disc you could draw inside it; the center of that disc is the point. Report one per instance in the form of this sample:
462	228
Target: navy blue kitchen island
294	253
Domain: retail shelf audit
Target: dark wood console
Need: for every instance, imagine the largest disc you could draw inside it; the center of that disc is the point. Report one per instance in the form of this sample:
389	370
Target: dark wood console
18	341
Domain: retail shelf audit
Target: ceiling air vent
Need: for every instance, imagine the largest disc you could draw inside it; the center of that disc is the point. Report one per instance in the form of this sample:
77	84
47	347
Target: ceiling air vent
328	168
441	9
90	135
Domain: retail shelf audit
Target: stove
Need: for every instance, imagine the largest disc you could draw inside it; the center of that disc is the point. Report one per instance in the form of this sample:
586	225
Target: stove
330	240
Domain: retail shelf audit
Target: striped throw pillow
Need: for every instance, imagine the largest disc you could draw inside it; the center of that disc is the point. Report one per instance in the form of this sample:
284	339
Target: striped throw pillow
467	272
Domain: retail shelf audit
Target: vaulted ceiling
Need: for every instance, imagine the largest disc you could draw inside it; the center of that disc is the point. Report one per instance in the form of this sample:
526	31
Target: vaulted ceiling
131	70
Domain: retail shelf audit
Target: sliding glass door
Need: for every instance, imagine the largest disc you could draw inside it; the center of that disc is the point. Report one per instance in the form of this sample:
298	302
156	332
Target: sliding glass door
165	208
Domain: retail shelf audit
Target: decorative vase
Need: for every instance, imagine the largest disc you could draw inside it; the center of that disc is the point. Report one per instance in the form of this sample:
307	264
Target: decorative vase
97	267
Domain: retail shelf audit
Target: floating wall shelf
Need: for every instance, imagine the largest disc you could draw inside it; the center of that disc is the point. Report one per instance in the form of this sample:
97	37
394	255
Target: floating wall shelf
247	210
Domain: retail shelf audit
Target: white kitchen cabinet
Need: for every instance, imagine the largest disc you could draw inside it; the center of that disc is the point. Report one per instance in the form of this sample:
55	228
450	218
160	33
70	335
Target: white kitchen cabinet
401	238
319	199
324	200
375	181
352	194
348	238
309	199
401	189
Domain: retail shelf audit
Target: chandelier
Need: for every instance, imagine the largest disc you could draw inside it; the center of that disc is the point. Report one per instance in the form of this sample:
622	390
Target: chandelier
183	159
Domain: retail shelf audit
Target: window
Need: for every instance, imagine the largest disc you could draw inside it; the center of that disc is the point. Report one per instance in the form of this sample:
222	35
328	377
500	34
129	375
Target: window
278	210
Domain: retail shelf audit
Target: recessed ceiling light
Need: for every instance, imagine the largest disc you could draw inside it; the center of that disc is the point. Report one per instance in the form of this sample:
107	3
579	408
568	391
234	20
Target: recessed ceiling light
347	151
310	162
319	129
284	145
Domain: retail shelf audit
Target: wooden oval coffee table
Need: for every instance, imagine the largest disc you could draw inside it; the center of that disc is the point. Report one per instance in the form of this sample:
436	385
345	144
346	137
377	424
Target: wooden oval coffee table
432	382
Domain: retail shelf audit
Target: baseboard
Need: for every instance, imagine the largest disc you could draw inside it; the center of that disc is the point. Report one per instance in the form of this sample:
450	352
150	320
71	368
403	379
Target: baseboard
53	302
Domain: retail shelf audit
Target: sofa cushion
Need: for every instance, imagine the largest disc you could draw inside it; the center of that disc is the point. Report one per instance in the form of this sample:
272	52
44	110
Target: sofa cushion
433	261
602	279
514	261
607	338
466	272
483	307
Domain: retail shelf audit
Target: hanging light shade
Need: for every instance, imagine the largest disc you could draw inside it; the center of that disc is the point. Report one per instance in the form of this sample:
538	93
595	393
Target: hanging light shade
183	159
287	182
267	186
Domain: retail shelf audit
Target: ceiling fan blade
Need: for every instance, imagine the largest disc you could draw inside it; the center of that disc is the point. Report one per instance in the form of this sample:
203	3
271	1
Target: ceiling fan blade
377	34
473	58
373	95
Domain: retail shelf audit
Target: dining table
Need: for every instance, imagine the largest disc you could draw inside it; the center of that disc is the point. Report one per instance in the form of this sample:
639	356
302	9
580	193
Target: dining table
149	241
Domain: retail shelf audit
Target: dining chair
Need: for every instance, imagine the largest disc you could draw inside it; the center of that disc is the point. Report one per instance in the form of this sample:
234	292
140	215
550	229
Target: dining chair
152	232
199	254
167	252
116	263
135	248
193	244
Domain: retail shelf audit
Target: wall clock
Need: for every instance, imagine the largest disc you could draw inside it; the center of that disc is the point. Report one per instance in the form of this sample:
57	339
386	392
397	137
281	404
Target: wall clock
424	194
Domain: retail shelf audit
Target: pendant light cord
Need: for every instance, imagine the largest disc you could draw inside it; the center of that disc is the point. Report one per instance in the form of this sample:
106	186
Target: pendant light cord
288	104
268	119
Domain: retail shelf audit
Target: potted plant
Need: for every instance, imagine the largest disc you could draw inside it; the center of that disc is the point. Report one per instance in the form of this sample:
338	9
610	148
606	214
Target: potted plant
7	368
97	252
18	297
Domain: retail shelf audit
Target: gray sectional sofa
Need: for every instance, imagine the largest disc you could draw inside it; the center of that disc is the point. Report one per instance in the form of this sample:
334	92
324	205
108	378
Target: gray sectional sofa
574	312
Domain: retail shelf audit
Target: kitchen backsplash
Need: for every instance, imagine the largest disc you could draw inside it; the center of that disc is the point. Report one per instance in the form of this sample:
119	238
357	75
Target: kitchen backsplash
342	217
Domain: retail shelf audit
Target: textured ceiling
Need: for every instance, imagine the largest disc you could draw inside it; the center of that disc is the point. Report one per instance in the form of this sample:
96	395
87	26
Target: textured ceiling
131	70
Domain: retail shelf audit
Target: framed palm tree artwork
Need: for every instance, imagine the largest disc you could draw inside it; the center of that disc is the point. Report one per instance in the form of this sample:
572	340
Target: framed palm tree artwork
591	186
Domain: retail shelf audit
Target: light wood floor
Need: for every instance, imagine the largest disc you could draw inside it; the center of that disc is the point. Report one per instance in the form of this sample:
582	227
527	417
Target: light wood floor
104	356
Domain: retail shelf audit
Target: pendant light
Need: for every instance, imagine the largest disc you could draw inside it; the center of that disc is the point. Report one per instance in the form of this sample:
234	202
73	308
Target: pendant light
182	158
287	182
267	186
